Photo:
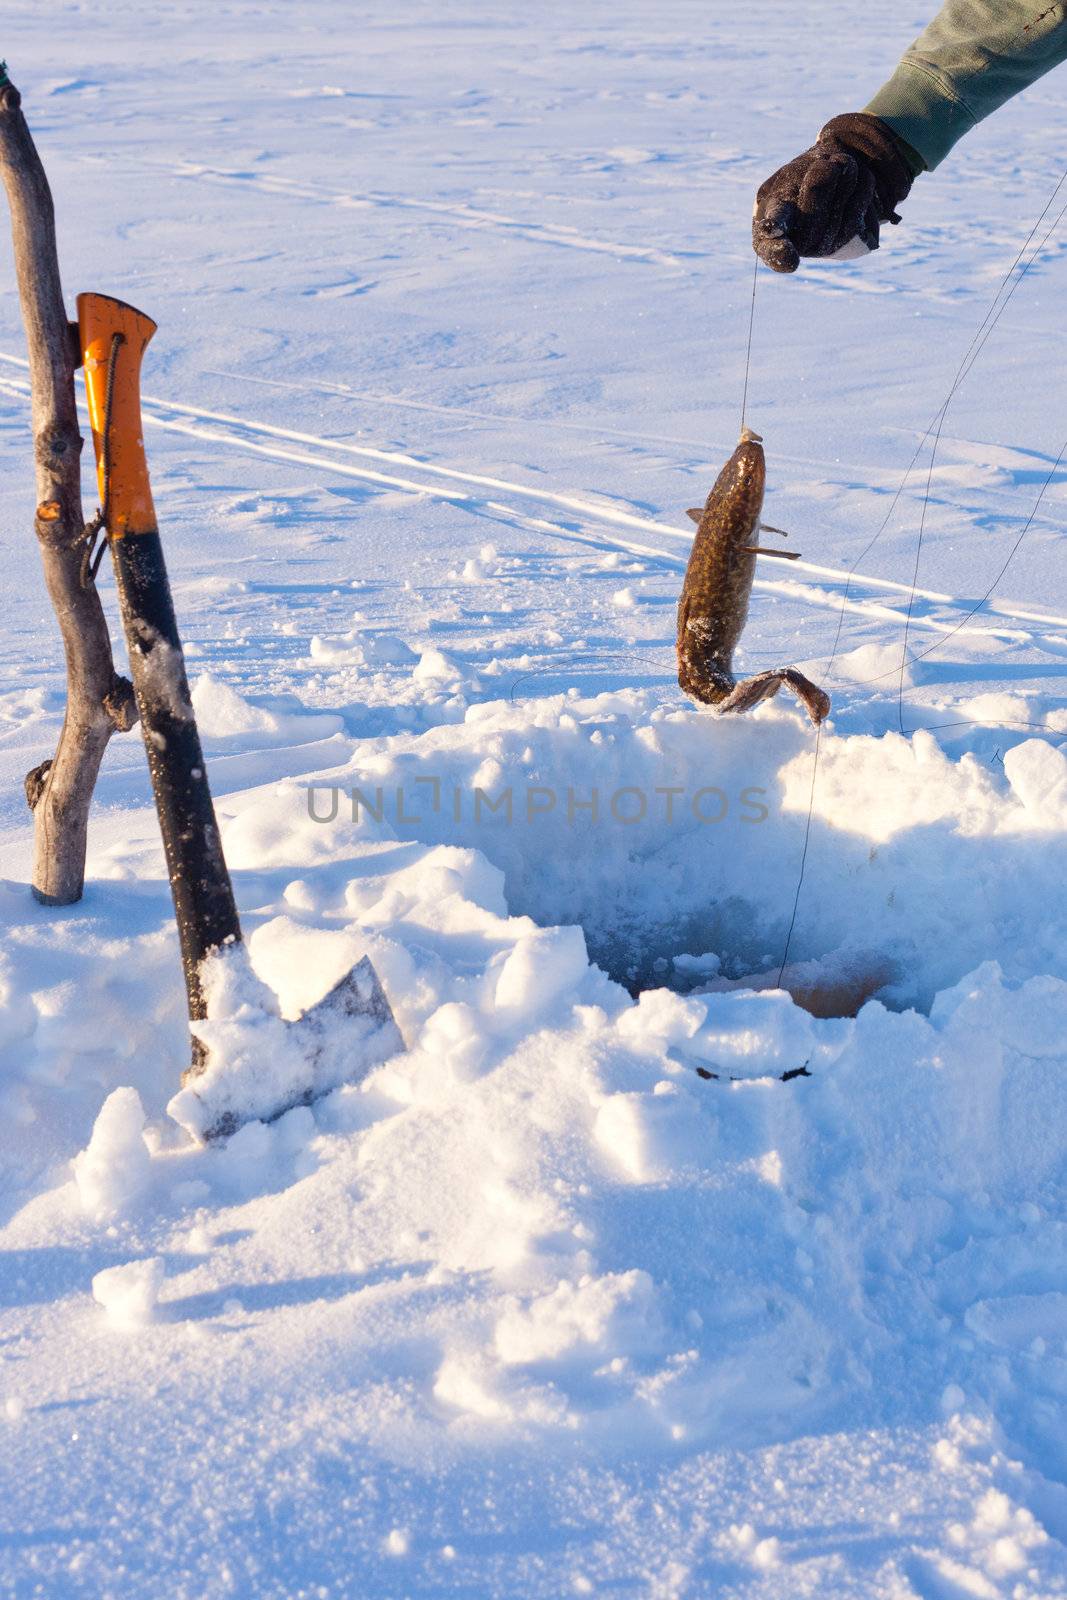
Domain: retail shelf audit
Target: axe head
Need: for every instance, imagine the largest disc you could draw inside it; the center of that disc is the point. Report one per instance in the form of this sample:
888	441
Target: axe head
113	339
252	1066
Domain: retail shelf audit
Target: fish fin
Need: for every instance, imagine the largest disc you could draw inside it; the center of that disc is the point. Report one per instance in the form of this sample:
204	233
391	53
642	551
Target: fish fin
695	513
749	693
783	555
764	685
767	527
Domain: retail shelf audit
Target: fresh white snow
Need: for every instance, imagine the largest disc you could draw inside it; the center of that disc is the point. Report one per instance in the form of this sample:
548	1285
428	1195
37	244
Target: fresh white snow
627	1273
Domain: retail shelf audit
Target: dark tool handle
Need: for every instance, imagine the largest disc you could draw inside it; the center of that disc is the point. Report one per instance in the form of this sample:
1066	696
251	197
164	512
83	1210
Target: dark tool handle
113	338
200	883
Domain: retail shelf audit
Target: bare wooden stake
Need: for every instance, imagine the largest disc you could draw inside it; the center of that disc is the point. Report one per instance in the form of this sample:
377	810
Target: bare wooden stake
60	791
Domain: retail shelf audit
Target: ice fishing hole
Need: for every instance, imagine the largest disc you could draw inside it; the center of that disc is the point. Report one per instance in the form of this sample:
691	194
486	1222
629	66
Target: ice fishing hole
684	873
685	905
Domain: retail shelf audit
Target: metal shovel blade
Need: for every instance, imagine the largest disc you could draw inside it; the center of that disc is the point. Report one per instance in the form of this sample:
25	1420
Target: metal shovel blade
349	1030
254	1067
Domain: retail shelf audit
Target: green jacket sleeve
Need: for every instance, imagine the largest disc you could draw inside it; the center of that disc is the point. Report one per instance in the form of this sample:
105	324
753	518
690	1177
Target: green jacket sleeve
974	55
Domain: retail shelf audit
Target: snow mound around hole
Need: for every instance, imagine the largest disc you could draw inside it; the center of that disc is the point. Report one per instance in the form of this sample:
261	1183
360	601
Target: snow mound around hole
359	648
609	1218
226	719
673	839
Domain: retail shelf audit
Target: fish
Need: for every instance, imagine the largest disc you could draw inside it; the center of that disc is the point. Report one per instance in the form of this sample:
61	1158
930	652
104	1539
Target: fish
713	607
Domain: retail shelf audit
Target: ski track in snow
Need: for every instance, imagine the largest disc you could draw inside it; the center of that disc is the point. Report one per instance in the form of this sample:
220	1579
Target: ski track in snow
244	434
461	215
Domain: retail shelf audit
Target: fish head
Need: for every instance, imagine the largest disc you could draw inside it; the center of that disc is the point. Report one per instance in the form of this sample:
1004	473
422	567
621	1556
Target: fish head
748	467
737	497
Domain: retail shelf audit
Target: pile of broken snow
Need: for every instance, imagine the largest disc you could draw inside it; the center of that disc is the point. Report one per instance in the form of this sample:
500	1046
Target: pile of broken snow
652	1216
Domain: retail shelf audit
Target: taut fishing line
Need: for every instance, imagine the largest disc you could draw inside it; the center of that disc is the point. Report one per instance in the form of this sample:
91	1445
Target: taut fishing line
985	328
992	316
921	655
748	347
960	376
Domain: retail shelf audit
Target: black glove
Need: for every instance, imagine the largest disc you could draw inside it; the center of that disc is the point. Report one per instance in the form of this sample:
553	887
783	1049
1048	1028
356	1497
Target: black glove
853	178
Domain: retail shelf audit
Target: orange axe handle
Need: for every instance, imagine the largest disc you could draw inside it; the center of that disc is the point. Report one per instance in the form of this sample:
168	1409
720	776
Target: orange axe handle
114	337
121	467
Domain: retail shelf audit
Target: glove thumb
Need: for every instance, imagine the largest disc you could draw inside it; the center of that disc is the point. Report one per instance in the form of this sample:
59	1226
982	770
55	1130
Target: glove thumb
772	223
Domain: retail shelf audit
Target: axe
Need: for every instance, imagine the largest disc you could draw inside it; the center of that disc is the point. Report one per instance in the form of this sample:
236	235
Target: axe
352	1028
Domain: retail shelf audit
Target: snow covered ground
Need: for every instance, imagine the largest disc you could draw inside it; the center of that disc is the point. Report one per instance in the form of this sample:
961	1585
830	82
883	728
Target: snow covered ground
591	1290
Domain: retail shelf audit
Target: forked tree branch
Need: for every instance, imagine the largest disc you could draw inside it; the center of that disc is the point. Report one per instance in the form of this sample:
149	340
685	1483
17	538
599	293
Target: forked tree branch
60	791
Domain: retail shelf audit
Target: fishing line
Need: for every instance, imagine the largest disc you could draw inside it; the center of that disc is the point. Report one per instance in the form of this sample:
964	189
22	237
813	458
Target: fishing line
803	854
959	379
989	321
921	655
985	328
1007	560
748	347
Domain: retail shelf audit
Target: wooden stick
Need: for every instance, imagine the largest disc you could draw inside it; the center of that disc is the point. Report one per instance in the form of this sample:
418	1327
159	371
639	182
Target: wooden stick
60	791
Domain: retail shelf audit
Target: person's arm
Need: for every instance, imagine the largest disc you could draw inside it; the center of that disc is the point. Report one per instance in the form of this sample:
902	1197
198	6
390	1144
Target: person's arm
974	55
832	199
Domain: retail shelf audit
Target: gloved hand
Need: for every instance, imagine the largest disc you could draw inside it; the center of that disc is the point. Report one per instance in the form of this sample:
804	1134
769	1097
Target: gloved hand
830	200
